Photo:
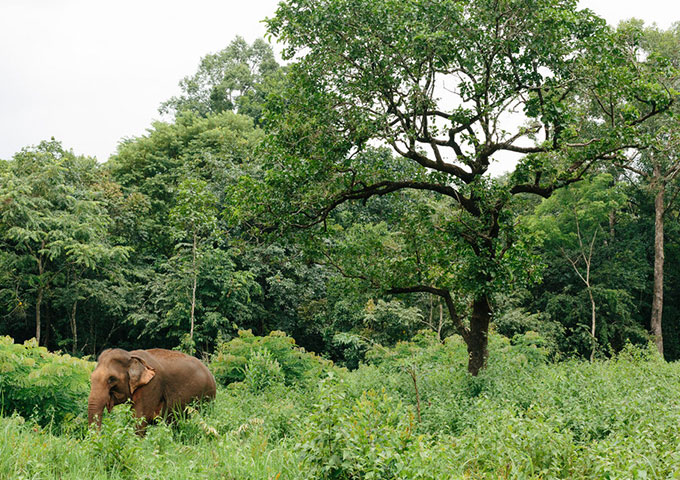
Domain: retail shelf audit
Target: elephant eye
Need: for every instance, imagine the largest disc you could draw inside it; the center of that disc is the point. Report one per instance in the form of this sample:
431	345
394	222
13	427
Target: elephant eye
112	379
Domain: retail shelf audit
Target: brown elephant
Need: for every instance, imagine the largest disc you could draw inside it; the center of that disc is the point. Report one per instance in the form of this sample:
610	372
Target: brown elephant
158	381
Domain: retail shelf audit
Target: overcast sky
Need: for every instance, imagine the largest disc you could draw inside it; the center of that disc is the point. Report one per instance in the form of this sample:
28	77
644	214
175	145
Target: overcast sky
92	72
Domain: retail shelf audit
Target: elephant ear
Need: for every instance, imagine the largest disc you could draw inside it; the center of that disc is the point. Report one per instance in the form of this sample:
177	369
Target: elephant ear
140	373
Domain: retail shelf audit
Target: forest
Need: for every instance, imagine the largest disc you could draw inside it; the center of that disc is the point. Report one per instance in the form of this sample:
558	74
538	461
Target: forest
435	239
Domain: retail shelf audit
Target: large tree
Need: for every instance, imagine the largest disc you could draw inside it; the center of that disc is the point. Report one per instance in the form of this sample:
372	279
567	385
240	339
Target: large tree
450	86
179	172
657	165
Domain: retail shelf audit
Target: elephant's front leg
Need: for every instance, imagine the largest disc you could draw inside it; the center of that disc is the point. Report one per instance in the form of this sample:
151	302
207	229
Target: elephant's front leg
146	409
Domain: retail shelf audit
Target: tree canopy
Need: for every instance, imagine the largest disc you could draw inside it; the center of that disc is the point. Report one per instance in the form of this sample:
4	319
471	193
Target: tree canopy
352	197
450	86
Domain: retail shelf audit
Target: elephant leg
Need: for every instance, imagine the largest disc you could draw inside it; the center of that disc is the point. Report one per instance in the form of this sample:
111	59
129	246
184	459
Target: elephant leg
145	409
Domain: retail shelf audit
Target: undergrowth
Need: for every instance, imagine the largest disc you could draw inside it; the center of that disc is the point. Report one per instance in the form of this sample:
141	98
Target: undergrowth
524	417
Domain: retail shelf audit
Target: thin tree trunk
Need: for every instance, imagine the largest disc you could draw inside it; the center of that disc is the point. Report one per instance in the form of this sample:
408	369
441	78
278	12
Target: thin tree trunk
657	300
592	324
441	321
38	303
193	290
74	328
587	259
478	338
412	372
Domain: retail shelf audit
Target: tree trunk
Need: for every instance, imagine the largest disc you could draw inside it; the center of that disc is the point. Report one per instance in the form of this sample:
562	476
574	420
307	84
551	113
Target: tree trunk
592	324
478	337
657	300
38	303
193	289
441	322
74	328
412	372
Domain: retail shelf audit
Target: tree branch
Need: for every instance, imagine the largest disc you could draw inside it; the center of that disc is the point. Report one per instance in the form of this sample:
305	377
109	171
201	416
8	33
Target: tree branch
384	188
446	295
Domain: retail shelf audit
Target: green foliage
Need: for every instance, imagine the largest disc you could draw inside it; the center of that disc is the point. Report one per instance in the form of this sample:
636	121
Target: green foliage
187	229
116	444
367	437
236	78
524	417
532	346
53	234
588	232
182	171
389	322
191	149
262	370
367	71
276	353
50	389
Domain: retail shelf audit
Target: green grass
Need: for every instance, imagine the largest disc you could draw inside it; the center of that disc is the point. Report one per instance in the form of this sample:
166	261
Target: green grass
523	418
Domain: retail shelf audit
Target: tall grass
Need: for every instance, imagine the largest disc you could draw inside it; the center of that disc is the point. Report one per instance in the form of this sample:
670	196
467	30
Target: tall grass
524	417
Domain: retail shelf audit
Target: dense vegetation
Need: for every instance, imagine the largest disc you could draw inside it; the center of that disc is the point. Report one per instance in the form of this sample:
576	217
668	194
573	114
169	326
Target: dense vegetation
463	324
523	417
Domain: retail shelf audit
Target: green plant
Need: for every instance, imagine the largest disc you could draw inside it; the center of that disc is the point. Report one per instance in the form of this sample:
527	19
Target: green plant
229	362
366	437
116	444
262	371
46	387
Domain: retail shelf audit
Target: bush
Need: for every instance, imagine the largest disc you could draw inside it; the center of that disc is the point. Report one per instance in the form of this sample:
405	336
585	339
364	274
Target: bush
116	444
45	387
369	437
231	359
262	371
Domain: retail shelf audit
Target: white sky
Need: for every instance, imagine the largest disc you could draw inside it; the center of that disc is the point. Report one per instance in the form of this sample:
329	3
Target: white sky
91	72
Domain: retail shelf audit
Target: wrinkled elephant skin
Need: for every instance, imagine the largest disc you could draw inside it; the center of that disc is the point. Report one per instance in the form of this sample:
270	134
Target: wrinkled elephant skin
158	381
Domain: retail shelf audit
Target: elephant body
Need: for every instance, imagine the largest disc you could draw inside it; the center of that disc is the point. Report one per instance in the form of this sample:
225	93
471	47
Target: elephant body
158	381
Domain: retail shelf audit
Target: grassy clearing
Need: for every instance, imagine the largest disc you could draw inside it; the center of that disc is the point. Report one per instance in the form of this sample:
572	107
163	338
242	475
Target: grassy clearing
524	417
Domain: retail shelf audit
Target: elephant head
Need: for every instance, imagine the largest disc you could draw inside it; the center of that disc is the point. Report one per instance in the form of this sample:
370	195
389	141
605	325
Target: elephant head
117	375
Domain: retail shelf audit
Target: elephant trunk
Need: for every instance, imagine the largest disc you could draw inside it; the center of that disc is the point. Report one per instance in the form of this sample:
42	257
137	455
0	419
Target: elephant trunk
95	407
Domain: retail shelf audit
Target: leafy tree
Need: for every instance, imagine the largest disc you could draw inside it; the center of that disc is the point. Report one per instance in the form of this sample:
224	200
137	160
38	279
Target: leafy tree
194	219
658	164
234	79
187	266
574	230
438	82
53	228
671	325
150	168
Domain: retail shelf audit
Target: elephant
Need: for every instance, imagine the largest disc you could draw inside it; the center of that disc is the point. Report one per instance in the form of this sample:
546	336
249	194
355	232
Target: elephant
158	381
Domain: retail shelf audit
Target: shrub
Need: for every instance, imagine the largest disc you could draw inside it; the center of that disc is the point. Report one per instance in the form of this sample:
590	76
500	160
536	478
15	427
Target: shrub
422	349
231	358
116	444
346	438
43	386
262	371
